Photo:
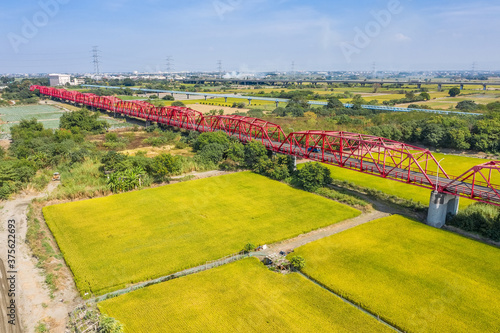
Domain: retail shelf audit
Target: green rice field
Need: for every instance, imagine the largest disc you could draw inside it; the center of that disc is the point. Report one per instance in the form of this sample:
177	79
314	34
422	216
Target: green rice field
416	277
239	297
121	239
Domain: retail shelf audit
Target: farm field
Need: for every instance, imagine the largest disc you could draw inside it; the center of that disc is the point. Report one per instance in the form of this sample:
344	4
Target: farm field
452	164
48	115
117	240
239	297
416	277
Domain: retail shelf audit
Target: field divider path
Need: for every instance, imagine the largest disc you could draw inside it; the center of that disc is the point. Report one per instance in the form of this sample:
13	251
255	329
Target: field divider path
277	247
365	311
293	243
189	271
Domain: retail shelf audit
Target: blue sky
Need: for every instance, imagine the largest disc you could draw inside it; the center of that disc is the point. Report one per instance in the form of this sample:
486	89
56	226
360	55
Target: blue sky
248	35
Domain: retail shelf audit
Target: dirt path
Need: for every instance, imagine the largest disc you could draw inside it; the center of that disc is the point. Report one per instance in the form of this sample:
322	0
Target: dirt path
33	299
293	243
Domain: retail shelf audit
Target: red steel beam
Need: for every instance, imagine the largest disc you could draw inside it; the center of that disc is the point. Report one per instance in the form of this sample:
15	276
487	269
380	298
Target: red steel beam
364	153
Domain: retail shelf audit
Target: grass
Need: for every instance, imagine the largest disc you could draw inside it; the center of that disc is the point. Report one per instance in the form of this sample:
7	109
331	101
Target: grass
126	238
452	164
414	276
239	297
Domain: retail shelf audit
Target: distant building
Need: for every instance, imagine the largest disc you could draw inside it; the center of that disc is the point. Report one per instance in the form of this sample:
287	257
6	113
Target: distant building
63	79
59	79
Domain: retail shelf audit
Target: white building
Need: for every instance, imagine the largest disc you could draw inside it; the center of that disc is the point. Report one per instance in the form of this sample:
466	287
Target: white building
59	79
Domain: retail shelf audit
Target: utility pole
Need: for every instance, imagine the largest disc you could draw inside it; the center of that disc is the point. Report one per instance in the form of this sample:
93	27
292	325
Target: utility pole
219	68
96	56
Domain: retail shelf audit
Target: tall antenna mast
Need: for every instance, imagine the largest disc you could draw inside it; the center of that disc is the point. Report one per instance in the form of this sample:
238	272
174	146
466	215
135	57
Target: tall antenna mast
95	56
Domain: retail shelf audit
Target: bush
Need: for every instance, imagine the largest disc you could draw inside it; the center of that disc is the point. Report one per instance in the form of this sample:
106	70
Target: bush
313	176
254	152
178	103
207	138
480	218
83	120
163	166
211	153
298	262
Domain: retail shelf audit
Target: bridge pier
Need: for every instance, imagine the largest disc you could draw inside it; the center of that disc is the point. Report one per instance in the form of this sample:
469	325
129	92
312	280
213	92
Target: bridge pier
277	103
440	87
225	98
461	86
187	96
441	204
484	87
249	101
419	86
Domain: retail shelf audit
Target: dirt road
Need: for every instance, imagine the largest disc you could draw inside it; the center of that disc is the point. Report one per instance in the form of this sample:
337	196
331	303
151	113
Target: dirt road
32	296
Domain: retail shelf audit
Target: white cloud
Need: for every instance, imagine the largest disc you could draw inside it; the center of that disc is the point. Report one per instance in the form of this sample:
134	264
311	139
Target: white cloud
400	37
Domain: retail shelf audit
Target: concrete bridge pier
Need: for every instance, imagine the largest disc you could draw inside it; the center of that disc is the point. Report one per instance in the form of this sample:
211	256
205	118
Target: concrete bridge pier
461	86
225	98
441	204
484	87
440	87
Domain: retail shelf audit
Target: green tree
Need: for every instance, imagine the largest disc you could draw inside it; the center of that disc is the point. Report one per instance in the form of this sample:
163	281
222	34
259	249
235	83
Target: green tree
467	106
163	166
334	103
178	103
83	120
298	262
207	138
110	325
128	82
425	95
313	176
454	92
254	152
249	248
212	153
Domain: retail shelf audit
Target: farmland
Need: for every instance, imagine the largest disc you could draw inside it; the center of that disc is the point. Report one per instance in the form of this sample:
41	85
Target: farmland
113	241
240	297
416	277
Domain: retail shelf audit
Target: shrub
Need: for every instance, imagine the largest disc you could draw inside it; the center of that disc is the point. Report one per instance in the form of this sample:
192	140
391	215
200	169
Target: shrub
313	176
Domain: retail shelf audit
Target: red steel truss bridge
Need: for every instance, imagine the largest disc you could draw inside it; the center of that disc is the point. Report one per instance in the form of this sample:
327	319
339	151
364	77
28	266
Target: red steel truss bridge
359	152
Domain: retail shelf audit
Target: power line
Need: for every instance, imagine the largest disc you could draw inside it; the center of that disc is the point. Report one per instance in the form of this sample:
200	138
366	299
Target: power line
95	56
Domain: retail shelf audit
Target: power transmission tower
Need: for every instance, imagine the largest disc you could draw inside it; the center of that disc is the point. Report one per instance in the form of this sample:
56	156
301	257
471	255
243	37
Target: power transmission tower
169	65
96	56
293	69
474	65
219	67
374	70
